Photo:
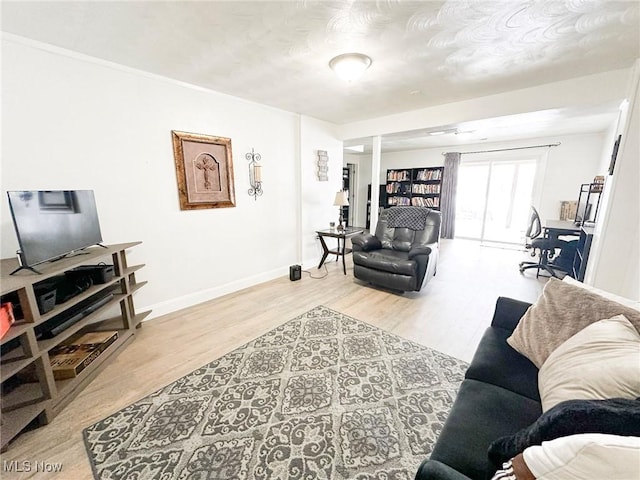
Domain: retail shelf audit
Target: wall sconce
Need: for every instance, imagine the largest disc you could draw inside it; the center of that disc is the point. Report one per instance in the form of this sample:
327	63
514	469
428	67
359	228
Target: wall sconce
255	174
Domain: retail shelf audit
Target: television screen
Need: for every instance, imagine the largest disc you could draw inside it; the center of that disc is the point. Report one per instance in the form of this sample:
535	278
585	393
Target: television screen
52	223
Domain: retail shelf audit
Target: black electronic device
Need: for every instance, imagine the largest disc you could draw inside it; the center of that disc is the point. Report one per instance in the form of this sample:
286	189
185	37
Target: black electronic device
98	273
51	224
64	320
295	272
64	287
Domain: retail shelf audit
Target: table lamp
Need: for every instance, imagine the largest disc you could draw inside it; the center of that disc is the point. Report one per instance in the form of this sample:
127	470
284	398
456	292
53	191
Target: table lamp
341	200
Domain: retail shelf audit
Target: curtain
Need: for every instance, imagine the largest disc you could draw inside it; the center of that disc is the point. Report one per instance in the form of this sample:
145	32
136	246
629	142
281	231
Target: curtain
448	194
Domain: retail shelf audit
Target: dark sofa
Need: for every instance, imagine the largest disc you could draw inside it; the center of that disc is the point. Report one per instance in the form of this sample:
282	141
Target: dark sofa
499	396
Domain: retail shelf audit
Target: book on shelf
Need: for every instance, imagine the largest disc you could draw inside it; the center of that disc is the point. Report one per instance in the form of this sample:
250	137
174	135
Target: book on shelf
393	187
429	174
70	358
424	188
432	202
568	210
398	201
398	175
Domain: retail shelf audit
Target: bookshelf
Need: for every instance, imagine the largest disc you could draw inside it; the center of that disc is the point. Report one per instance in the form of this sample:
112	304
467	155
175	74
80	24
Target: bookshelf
418	187
21	348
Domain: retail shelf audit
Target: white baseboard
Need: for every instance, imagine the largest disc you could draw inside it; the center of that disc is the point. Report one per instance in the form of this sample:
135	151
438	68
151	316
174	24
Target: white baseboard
185	301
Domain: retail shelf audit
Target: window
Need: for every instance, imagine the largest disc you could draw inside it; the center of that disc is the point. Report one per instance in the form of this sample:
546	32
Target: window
493	199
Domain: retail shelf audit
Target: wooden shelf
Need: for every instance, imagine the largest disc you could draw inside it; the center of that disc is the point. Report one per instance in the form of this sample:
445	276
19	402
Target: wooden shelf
49	343
29	400
68	384
77	299
14	423
15	361
17	329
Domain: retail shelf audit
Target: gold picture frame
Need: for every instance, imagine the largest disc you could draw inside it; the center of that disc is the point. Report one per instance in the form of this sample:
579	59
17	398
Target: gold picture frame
204	169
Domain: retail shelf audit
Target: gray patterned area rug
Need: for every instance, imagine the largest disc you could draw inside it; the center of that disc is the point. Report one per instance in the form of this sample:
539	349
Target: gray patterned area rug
323	396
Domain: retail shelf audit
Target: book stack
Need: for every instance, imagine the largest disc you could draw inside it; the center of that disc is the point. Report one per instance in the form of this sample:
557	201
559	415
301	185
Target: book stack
72	357
568	210
69	359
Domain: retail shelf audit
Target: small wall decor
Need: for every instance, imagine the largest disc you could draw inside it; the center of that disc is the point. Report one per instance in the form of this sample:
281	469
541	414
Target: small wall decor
614	154
255	174
323	166
204	169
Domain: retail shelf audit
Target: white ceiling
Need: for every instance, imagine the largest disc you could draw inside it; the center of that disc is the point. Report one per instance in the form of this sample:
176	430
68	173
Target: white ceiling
424	53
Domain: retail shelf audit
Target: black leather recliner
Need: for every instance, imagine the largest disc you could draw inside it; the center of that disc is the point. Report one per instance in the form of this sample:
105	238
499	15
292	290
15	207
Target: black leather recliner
403	253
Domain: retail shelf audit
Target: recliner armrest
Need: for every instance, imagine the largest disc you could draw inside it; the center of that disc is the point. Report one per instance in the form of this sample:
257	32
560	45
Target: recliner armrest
365	242
419	250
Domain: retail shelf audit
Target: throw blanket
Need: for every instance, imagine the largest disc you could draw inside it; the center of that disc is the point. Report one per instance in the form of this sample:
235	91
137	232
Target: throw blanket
614	416
414	218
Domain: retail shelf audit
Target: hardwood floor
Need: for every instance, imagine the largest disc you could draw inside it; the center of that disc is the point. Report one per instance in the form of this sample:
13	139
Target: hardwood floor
449	314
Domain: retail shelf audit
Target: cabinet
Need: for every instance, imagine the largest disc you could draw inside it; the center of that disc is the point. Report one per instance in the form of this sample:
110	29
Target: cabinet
582	253
24	401
418	187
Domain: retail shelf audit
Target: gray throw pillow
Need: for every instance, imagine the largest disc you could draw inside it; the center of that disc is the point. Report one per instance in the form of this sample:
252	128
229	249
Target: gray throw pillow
562	311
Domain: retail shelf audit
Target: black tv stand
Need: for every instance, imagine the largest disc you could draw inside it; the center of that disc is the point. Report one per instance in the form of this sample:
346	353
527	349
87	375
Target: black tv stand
25	267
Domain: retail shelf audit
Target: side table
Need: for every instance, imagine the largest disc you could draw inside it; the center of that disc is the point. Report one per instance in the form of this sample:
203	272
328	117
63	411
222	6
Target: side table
340	235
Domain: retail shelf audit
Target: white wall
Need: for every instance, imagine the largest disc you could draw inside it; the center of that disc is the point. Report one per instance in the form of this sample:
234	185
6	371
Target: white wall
579	92
576	160
318	196
616	244
72	122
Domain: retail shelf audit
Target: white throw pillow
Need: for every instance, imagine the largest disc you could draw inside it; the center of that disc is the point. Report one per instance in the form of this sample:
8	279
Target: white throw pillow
586	456
601	361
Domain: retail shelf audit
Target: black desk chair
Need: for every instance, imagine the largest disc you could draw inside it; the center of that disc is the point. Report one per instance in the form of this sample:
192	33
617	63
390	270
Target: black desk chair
542	246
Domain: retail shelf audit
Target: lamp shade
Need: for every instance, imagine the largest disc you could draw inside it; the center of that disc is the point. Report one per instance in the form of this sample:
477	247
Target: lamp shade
341	199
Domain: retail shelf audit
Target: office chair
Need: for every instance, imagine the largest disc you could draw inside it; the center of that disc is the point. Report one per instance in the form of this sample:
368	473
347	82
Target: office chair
544	247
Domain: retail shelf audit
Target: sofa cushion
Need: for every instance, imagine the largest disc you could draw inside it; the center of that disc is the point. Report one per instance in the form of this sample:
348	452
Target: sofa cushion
561	312
392	261
600	361
615	416
434	470
481	413
497	363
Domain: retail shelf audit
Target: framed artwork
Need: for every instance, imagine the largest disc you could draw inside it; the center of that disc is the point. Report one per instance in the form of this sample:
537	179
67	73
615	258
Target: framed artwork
204	169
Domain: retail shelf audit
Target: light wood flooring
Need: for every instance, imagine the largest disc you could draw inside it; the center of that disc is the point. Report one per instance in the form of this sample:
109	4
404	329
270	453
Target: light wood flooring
450	314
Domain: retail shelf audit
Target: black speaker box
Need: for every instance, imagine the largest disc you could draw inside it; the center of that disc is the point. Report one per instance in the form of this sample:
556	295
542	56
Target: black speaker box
295	272
98	273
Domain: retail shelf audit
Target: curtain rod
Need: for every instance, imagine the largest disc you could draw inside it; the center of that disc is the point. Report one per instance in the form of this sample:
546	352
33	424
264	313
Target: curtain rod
506	149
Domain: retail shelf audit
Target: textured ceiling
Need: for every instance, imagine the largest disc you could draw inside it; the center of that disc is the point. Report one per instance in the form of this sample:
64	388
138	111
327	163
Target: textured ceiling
277	53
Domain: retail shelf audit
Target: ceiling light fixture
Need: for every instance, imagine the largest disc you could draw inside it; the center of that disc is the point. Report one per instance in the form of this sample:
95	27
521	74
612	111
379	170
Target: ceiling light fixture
350	66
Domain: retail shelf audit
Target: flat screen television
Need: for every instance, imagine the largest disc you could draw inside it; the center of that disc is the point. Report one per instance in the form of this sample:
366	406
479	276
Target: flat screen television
53	223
